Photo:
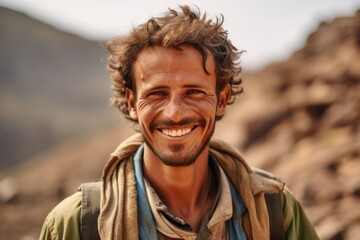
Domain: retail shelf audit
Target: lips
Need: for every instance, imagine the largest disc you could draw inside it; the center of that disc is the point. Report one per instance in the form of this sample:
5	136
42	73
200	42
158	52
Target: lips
176	132
177	129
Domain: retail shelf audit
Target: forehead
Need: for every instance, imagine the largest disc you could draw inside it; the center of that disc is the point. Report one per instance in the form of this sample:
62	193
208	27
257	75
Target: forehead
158	61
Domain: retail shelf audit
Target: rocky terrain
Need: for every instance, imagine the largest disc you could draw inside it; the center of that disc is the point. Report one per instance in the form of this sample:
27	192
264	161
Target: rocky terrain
303	123
299	119
52	86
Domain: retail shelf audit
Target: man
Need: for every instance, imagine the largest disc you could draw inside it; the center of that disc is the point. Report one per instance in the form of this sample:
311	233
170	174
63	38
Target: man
174	76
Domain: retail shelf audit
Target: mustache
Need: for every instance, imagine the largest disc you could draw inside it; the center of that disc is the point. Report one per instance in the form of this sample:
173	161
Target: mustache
168	123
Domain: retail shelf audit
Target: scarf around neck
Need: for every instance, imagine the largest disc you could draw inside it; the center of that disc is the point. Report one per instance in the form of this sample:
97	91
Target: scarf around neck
118	201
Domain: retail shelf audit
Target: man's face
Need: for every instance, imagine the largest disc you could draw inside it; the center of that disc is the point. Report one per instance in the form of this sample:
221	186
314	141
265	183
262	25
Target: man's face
176	103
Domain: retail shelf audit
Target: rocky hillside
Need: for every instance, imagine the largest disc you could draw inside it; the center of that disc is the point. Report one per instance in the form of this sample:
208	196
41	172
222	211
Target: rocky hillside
303	123
53	86
299	119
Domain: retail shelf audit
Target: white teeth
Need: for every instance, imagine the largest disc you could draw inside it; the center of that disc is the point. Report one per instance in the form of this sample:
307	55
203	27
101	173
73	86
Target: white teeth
176	133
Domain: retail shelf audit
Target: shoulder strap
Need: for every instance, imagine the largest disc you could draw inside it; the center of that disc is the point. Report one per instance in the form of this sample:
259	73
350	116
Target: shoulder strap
90	209
275	209
276	218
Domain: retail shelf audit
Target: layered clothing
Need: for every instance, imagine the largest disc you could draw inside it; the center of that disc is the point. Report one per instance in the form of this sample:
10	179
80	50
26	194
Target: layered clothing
125	215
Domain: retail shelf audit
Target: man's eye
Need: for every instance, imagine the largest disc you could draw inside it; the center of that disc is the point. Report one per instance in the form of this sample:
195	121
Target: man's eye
156	94
194	91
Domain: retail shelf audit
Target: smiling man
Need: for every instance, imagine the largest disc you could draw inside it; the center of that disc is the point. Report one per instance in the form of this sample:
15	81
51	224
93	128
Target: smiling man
176	104
174	77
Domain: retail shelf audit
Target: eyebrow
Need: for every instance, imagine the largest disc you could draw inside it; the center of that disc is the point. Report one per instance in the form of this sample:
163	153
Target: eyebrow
165	86
152	88
194	86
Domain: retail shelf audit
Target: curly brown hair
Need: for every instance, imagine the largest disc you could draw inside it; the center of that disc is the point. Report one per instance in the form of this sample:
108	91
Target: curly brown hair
186	26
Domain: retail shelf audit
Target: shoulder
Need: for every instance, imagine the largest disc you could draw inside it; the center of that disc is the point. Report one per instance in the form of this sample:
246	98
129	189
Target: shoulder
263	181
296	223
63	222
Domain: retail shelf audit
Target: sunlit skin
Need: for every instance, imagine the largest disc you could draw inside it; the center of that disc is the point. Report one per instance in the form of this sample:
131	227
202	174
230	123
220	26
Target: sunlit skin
176	105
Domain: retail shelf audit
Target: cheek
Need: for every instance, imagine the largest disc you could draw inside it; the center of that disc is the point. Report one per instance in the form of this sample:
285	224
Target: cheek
205	106
141	104
146	111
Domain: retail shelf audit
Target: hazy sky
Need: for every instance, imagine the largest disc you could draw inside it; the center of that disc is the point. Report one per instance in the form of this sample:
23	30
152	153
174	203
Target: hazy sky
268	30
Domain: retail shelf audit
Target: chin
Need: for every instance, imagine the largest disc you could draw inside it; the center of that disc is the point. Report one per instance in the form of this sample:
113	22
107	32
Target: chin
180	162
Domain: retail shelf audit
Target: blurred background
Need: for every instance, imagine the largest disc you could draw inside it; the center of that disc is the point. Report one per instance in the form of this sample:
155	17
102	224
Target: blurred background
299	116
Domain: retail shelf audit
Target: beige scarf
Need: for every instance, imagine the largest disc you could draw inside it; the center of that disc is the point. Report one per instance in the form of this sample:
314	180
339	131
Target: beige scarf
118	207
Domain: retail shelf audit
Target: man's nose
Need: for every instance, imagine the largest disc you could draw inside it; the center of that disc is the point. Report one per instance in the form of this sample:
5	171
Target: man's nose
176	109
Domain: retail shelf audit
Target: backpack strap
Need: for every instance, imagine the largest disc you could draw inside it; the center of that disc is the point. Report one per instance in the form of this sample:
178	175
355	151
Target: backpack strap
276	218
275	209
90	209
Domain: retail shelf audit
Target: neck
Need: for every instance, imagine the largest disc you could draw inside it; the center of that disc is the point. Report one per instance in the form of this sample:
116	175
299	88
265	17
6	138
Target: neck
182	189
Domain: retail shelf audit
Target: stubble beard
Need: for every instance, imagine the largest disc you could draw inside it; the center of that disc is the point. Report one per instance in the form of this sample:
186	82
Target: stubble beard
177	160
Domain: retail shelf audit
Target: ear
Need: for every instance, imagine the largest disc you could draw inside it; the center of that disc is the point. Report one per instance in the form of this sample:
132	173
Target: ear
222	101
129	95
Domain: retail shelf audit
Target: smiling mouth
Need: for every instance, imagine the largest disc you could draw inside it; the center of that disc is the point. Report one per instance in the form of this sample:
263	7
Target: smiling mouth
177	132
